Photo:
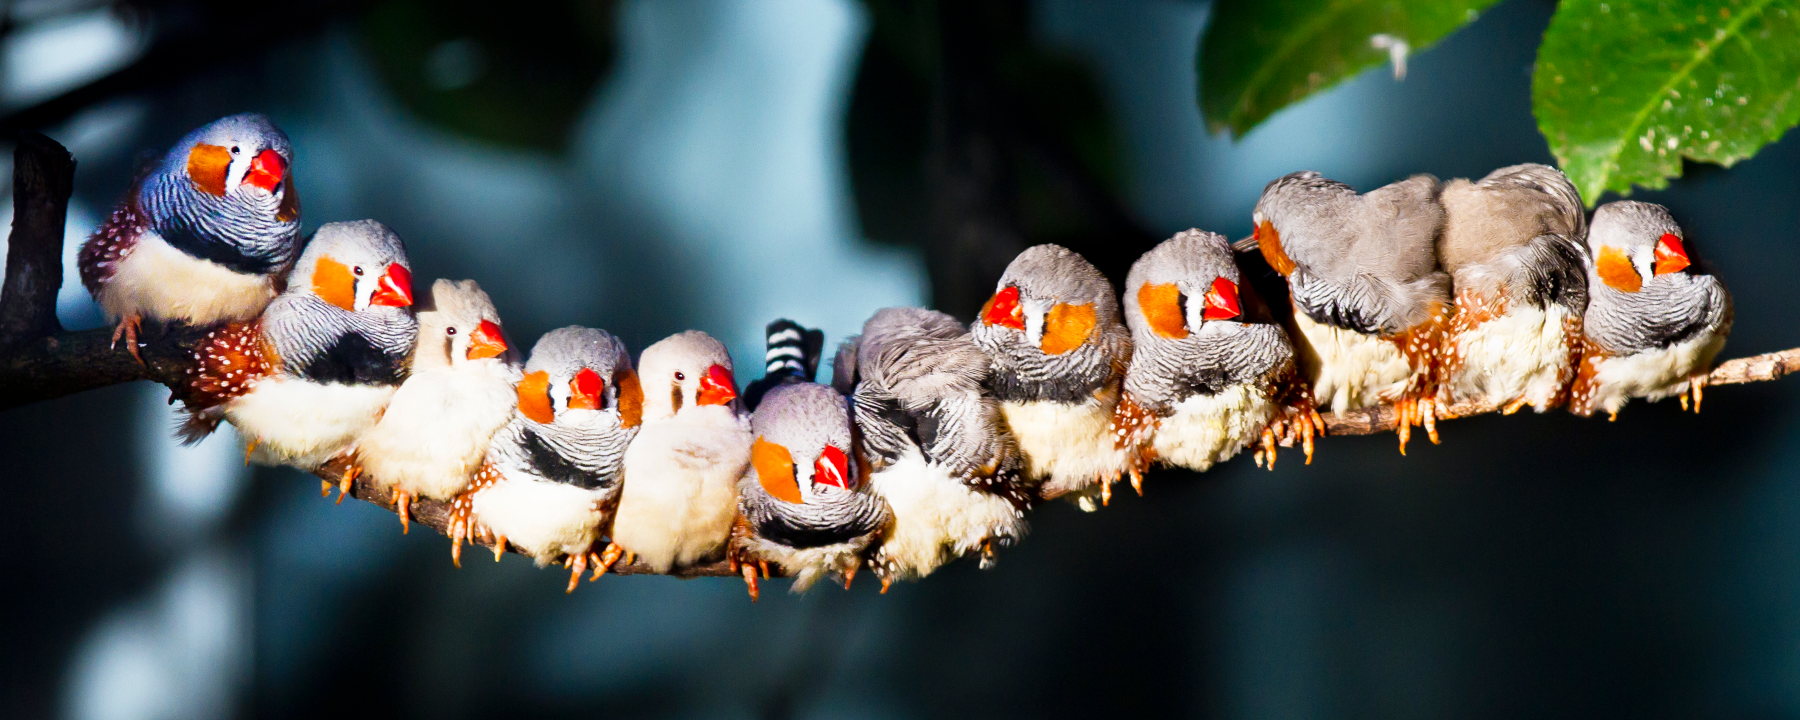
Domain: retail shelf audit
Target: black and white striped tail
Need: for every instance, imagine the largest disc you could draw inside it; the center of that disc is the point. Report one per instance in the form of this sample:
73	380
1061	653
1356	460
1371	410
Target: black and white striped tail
792	356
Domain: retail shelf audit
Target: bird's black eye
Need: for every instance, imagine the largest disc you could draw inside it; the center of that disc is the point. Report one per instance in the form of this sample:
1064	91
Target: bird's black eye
357	270
679	376
234	149
449	331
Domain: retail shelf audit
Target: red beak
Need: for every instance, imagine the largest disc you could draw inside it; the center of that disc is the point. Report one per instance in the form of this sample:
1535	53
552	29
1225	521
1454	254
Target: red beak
486	341
267	170
1221	301
1670	255
395	287
717	387
1003	309
832	468
585	390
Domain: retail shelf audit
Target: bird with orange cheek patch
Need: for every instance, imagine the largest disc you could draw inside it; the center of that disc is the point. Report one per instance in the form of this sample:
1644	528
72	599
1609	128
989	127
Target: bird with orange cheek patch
1654	322
205	238
681	470
552	476
316	371
1058	353
1211	371
435	433
805	504
1370	302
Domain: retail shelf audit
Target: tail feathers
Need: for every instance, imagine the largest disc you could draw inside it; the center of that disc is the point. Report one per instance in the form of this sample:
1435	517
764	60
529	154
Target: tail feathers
198	424
792	356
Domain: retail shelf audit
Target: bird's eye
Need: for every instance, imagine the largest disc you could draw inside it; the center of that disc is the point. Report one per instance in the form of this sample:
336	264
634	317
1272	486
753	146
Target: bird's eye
234	149
680	376
358	270
449	331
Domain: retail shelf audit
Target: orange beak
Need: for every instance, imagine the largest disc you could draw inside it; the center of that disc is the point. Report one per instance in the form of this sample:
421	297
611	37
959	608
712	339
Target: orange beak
267	170
486	341
717	387
1670	255
395	287
1003	309
585	390
1221	301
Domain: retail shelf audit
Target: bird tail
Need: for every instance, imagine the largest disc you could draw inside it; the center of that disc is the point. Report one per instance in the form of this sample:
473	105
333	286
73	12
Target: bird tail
196	425
792	356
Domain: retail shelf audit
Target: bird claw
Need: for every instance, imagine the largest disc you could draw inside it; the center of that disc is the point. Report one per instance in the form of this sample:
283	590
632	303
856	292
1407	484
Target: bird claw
749	573
128	330
578	564
403	507
499	547
1137	481
849	576
610	555
1697	386
1514	406
345	481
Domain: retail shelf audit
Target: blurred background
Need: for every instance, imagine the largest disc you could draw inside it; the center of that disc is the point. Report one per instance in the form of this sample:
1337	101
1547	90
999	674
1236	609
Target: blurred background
651	166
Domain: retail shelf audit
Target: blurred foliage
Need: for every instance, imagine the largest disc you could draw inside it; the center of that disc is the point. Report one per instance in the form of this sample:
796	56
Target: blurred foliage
1625	89
1257	56
515	77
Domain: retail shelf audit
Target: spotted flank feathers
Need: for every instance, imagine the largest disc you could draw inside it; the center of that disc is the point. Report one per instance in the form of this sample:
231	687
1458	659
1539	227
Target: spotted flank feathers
227	363
110	243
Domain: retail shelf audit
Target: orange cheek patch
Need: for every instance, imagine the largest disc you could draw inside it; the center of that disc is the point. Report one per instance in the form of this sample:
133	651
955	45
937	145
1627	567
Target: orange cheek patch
207	167
631	398
1270	242
1066	327
1616	270
534	397
775	471
1161	305
333	283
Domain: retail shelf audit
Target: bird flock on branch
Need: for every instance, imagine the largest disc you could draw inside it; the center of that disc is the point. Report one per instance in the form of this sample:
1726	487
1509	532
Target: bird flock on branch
932	439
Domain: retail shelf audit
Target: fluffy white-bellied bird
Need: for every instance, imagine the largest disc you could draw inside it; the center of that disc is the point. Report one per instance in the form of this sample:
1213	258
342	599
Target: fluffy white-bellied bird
935	441
435	433
1514	245
305	380
552	476
203	238
1653	323
1211	371
1369	300
1058	353
681	470
804	501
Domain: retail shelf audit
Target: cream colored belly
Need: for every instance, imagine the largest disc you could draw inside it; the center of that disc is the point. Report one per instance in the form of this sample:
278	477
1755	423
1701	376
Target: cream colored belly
435	432
1068	447
1353	370
680	493
936	518
1206	429
546	520
809	565
1653	375
159	282
1521	355
303	424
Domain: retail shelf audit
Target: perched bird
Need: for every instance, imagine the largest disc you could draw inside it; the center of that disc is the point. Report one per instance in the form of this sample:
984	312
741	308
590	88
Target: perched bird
1370	303
552	475
792	356
1058	353
1653	324
1211	371
934	440
435	433
205	237
681	470
804	502
1513	245
306	379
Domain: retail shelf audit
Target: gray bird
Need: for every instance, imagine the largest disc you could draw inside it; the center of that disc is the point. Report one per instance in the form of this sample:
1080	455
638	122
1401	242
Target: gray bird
552	476
1210	373
1653	323
804	502
1370	302
1513	244
935	441
1058	353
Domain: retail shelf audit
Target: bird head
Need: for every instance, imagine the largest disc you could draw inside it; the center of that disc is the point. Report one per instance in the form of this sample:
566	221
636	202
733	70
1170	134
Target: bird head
1634	243
802	453
1292	214
242	157
578	373
686	371
1050	301
457	325
1180	287
358	267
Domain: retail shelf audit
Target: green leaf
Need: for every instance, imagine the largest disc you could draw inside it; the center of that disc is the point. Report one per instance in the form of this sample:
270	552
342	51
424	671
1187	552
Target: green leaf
1258	56
1625	89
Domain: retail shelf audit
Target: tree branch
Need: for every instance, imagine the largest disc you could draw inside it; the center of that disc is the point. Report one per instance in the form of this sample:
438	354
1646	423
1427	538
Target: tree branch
43	178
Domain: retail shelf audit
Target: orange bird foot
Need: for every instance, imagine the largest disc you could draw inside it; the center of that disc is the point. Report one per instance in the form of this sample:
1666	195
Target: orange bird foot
128	330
